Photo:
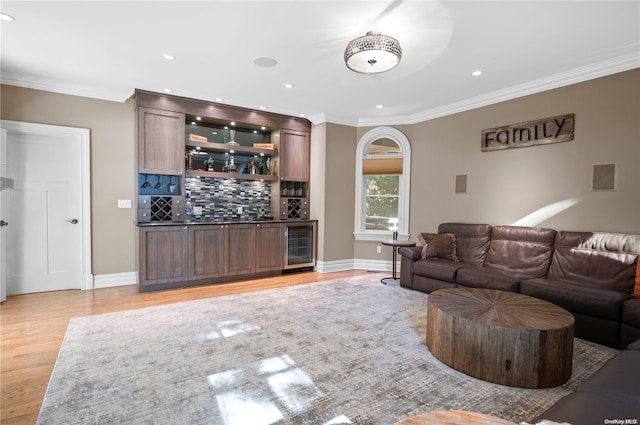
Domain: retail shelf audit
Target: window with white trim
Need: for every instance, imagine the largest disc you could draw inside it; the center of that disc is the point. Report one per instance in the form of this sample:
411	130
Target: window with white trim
383	161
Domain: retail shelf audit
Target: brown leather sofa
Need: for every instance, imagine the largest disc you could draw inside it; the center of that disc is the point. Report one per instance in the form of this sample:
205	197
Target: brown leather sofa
592	275
610	394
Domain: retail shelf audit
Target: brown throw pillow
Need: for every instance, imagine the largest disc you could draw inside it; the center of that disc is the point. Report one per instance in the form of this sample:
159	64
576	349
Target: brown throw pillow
436	245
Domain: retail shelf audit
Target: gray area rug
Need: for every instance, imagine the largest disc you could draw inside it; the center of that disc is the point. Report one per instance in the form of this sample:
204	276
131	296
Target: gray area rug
346	351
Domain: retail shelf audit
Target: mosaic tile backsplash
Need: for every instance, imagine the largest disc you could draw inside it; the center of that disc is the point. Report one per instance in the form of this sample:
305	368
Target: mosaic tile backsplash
220	198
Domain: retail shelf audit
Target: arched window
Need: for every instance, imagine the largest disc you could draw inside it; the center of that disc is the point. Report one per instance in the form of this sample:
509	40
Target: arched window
383	162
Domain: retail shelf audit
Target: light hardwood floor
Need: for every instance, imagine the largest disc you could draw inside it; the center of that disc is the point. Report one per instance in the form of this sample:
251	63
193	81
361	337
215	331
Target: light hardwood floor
33	327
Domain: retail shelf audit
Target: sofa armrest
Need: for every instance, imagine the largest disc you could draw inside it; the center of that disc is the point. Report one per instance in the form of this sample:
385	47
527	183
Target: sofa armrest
412	253
408	256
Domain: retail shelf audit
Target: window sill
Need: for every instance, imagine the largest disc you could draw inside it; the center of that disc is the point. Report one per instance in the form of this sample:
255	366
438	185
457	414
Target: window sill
378	236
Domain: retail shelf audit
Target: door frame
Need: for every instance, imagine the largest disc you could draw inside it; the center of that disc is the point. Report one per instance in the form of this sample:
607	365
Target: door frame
85	171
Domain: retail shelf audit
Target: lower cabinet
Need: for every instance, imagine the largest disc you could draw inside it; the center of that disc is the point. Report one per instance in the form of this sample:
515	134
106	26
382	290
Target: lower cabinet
254	248
241	249
206	251
164	255
173	256
269	247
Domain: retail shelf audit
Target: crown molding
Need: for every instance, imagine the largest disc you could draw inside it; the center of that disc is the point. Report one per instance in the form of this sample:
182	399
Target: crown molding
615	65
111	95
621	63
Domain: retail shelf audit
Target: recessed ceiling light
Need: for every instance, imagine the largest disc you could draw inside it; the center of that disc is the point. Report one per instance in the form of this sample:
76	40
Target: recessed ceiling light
289	85
168	91
193	123
263	107
219	99
265	62
168	56
232	123
477	73
303	115
198	118
263	127
379	106
6	18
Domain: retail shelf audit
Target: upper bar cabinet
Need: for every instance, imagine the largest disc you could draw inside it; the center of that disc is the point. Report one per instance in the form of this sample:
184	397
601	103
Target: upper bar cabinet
160	141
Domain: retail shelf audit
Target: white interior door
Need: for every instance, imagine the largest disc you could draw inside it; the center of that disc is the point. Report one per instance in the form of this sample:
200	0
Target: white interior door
45	241
5	185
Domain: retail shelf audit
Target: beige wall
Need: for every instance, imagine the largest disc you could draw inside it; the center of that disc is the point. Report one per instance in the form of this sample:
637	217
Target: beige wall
317	185
340	192
506	186
112	129
503	186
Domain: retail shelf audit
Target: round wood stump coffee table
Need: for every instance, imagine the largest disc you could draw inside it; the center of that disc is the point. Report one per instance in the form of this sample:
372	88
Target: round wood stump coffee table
453	417
502	337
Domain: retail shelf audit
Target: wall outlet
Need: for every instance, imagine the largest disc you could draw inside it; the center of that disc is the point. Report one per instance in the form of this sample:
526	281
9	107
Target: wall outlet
379	249
124	203
239	210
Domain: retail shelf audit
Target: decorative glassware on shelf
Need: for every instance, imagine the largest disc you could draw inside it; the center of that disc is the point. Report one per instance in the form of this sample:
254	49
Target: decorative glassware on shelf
232	164
232	138
209	163
268	166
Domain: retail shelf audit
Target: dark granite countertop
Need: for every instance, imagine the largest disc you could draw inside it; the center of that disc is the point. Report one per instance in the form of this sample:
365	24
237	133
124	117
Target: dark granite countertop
219	221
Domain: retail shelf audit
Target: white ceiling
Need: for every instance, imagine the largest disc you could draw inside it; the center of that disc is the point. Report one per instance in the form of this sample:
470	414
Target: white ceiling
107	49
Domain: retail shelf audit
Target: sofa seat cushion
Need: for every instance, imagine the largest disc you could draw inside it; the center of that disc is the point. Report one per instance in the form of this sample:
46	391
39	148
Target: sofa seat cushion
617	379
490	278
582	408
444	270
631	312
580	298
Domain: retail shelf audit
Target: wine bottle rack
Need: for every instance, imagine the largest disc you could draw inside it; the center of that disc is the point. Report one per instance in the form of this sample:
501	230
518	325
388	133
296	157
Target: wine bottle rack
294	208
161	208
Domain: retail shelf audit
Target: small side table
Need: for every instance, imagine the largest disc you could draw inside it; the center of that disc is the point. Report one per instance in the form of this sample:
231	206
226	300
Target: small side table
395	244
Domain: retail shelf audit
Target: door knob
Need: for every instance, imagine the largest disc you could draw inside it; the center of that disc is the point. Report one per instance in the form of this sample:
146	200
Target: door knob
3	223
72	221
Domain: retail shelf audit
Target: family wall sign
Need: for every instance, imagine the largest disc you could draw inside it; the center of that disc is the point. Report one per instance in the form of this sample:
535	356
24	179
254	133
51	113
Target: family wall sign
538	132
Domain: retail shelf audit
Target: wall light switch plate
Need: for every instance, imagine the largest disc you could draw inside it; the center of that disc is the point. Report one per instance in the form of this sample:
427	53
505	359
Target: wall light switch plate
124	203
379	249
197	211
239	210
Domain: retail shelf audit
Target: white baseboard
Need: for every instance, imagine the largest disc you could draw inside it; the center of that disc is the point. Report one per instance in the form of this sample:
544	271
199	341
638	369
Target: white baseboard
333	266
115	279
355	264
131	278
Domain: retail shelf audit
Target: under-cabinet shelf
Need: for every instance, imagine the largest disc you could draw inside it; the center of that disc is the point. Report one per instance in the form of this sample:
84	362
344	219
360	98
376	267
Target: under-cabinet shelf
239	176
225	148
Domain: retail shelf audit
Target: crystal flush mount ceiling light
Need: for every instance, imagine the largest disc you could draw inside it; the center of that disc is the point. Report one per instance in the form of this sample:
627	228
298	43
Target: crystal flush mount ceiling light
372	53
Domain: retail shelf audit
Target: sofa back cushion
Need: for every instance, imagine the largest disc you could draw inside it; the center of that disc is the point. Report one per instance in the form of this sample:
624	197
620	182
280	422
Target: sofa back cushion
472	241
607	260
526	250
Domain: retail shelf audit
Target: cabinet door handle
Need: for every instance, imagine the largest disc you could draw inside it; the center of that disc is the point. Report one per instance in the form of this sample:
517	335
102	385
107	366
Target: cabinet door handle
72	221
